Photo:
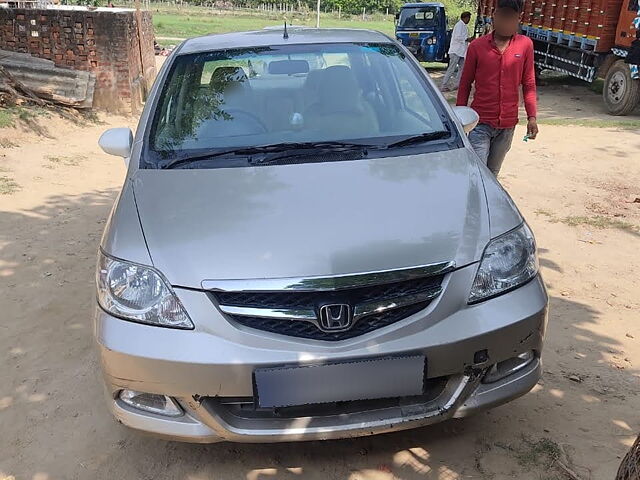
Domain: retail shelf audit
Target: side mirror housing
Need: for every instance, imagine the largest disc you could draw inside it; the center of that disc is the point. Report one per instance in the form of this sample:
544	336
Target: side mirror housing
117	141
467	117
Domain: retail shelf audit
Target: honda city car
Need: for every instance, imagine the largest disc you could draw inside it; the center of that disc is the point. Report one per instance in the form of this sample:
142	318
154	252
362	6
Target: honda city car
306	247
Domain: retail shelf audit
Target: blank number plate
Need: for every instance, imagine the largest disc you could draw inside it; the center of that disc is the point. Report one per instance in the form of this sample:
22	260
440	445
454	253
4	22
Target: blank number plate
358	380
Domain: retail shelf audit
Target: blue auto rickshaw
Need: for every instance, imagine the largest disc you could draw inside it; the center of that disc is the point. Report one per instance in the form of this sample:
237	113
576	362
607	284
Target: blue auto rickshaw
422	28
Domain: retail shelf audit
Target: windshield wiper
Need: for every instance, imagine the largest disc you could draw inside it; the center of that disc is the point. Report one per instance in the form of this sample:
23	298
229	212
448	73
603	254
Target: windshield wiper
420	138
304	148
204	156
270	148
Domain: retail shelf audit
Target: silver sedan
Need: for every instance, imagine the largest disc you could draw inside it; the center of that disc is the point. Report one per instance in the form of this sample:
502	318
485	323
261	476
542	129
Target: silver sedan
306	247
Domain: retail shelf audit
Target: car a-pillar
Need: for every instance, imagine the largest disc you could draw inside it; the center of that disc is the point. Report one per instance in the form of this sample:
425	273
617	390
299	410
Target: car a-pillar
621	92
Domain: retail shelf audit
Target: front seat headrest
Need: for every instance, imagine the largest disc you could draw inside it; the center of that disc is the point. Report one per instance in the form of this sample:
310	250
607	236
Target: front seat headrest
338	89
224	77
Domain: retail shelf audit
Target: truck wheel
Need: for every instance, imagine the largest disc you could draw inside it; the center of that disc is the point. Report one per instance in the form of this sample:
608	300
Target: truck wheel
621	93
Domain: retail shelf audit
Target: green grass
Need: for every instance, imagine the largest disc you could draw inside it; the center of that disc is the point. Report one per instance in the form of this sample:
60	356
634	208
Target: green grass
555	78
189	21
6	118
26	114
192	24
597	221
67	161
8	185
591	122
541	452
546	213
597	86
600	221
433	66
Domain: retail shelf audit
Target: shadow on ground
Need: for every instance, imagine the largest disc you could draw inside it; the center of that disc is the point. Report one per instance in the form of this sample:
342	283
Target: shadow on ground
55	424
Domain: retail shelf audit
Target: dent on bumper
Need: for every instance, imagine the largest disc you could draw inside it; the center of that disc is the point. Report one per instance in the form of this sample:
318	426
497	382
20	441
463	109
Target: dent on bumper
200	424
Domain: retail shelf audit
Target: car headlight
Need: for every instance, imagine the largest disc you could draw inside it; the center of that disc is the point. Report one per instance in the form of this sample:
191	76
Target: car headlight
138	293
508	261
432	41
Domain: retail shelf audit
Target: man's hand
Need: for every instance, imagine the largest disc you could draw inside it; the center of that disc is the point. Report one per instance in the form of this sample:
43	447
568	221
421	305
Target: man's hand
532	128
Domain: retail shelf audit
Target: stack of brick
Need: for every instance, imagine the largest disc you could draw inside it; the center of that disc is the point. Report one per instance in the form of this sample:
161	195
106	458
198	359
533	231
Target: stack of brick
106	41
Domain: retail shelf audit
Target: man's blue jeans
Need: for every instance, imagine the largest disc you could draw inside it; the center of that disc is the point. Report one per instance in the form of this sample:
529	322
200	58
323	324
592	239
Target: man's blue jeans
491	144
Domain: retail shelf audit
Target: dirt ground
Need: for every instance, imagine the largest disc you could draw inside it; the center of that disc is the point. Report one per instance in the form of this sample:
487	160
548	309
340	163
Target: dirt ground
575	185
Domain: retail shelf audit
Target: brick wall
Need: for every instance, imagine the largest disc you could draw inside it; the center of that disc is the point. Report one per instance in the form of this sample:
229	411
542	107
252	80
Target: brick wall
104	41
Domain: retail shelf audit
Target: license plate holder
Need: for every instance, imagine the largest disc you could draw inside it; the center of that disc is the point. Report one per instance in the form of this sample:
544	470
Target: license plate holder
364	379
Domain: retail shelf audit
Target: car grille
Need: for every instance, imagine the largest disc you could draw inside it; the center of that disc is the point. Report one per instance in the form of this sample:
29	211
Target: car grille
309	330
407	297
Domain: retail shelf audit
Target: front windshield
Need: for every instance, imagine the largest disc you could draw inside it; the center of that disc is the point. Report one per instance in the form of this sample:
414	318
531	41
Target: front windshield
292	93
418	17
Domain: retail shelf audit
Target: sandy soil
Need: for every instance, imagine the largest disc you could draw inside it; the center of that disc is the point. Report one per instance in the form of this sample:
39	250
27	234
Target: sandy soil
575	185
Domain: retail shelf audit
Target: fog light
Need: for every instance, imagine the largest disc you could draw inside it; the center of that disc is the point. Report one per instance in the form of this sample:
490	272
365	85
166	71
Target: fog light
151	402
507	367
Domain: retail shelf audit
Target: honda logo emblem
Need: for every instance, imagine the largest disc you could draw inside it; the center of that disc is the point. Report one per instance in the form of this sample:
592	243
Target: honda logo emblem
335	317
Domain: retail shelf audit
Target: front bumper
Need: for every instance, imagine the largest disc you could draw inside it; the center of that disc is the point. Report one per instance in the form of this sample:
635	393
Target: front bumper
203	424
216	361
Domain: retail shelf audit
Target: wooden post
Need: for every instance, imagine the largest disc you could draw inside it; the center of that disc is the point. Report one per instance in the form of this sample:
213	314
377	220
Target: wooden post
363	11
318	15
339	11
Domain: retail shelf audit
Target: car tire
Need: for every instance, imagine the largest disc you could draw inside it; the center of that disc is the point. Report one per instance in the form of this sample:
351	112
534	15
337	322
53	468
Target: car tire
621	93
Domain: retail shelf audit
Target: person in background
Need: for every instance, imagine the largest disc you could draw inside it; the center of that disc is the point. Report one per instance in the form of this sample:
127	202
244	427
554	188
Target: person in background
457	50
499	64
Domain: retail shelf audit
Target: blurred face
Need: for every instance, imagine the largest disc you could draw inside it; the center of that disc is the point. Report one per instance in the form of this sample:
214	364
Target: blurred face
466	19
506	22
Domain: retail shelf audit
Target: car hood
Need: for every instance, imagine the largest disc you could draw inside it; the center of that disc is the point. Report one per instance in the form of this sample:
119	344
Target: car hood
313	219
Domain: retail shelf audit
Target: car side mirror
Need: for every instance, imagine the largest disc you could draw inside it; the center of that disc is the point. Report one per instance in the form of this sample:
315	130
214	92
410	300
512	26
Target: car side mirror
117	141
467	117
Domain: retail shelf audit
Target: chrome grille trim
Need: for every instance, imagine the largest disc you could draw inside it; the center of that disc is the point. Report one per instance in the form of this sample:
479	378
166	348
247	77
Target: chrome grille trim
279	313
381	306
327	283
309	315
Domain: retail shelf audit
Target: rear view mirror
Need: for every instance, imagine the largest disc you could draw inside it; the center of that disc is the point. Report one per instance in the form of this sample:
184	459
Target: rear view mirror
467	117
117	141
288	67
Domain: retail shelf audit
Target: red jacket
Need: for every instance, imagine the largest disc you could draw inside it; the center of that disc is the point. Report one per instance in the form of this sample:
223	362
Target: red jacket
497	78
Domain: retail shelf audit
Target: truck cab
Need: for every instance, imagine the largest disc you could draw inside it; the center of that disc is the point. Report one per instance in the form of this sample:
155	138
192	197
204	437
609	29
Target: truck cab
422	28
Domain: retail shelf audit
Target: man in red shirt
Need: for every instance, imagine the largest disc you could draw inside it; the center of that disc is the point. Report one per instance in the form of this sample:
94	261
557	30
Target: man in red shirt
499	63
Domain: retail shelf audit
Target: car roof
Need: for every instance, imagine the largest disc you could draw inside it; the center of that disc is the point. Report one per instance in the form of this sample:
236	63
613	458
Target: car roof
275	36
425	4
